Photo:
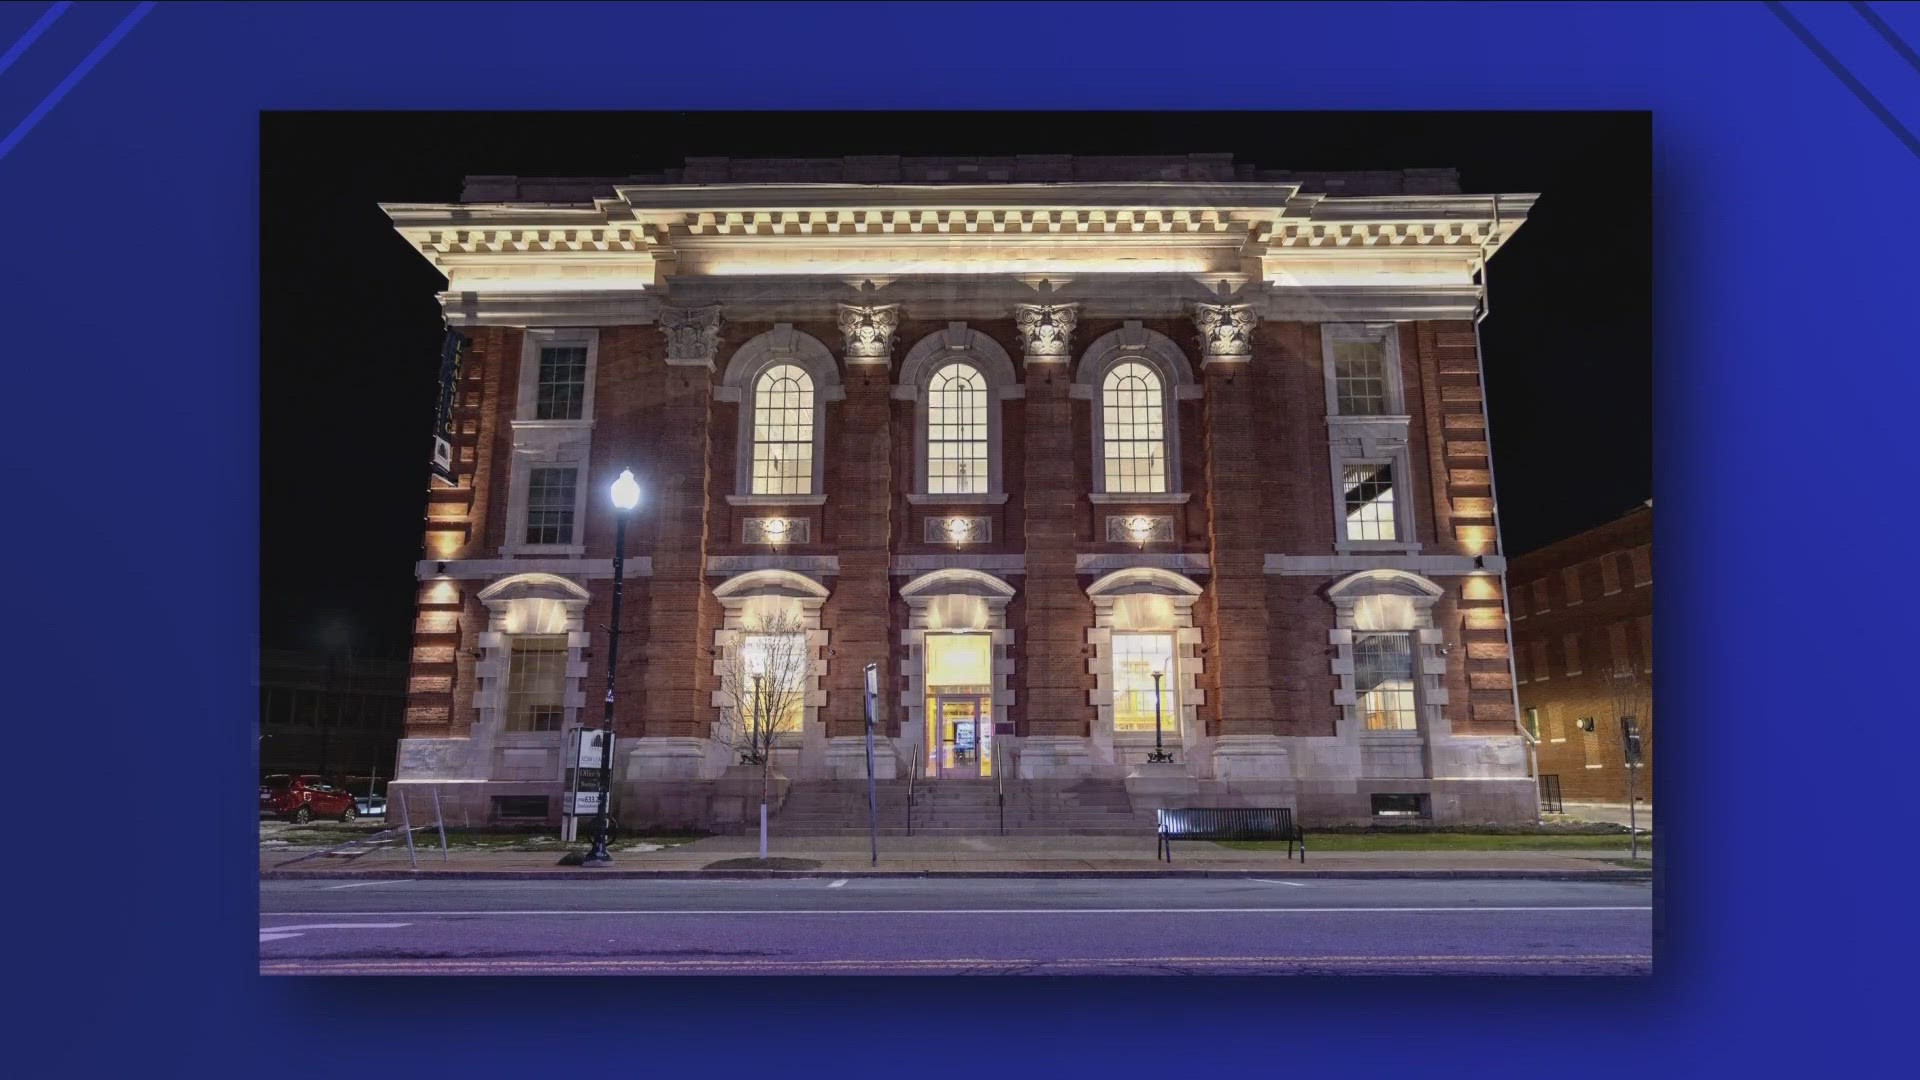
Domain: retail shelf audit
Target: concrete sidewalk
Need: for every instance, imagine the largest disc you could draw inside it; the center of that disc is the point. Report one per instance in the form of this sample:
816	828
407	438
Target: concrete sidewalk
966	856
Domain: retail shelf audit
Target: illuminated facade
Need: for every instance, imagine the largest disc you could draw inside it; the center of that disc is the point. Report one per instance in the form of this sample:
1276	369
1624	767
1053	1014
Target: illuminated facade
1024	432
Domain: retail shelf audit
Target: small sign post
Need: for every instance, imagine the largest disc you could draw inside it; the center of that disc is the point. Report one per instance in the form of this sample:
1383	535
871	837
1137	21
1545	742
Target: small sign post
873	801
1630	747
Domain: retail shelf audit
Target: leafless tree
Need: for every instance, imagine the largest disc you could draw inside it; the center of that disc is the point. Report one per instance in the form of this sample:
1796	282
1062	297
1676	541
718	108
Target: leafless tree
764	677
1632	696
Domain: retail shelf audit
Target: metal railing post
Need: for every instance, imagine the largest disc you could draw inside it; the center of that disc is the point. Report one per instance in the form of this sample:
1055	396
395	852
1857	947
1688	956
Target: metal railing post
406	823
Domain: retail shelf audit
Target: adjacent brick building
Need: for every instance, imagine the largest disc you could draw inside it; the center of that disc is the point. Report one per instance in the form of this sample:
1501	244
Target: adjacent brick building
1022	431
1583	635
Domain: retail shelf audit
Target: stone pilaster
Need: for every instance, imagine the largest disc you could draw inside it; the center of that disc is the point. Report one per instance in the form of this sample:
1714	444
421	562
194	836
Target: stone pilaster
1058	613
859	517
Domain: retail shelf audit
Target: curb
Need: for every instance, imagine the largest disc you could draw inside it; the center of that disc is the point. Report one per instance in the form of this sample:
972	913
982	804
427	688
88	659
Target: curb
562	874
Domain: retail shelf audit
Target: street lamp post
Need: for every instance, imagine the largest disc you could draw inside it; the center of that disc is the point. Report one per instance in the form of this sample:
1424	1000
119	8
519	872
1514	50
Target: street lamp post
626	496
1159	751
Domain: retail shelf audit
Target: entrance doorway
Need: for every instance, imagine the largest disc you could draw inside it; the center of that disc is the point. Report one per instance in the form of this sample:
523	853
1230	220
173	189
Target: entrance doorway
959	681
962	736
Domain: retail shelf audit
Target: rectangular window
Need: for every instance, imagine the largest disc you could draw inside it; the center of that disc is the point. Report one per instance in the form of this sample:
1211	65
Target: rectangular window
537	682
1644	624
1360	376
520	807
1533	723
1538	656
783	432
1404	806
1556	724
1573	654
957	432
1135	658
561	392
1642	560
1383	677
550	501
1609	574
1619	658
1538	590
1369	496
777	669
1571	578
1133	429
1590	742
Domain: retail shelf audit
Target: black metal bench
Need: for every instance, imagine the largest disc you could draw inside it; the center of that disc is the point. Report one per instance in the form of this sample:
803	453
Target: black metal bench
1228	823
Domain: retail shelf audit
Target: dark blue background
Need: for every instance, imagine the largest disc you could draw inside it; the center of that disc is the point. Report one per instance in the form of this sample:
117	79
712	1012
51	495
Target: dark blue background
1784	379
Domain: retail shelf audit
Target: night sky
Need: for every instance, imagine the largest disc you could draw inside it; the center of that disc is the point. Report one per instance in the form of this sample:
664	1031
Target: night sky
350	331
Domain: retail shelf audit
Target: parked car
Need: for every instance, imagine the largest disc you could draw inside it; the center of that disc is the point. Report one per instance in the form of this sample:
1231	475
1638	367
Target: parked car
371	806
300	799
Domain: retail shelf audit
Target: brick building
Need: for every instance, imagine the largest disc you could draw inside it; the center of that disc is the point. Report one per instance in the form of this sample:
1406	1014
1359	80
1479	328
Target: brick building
1583	640
1022	431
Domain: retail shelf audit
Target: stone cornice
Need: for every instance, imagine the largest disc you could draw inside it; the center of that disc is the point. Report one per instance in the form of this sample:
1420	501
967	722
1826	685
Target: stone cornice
647	237
1106	296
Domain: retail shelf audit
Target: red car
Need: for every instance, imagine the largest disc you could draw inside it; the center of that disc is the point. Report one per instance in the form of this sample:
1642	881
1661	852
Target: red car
300	799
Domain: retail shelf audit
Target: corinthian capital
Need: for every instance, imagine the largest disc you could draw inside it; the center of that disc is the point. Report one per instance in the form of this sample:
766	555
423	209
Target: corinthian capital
1225	331
869	331
1046	329
693	335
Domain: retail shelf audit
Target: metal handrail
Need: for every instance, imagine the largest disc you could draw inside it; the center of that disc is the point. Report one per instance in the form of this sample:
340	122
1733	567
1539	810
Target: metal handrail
913	773
1000	781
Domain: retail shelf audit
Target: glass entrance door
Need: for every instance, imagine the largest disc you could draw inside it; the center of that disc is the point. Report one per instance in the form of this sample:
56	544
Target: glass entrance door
963	725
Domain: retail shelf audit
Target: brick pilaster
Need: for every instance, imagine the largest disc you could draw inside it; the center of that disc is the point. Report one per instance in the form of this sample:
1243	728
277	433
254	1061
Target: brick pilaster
679	610
1238	535
1057	611
859	511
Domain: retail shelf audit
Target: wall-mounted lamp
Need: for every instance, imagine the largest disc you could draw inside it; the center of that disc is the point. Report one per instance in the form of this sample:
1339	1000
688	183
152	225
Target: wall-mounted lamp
1140	527
777	530
959	530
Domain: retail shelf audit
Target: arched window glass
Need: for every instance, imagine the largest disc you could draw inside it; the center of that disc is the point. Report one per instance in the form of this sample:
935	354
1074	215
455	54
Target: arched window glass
1134	432
783	432
957	431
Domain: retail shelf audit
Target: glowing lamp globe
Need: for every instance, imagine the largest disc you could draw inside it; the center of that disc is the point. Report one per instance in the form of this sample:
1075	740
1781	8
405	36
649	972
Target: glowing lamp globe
626	490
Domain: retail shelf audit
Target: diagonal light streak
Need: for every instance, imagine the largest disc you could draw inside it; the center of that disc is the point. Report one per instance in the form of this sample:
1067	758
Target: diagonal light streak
80	71
1846	77
33	33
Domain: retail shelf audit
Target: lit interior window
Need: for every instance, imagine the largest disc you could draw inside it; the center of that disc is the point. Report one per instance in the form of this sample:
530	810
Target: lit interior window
536	682
783	432
1135	658
1133	429
1383	675
957	432
776	670
1369	491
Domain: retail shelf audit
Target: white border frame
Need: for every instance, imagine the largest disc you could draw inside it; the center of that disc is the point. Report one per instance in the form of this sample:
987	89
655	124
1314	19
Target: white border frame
1389	332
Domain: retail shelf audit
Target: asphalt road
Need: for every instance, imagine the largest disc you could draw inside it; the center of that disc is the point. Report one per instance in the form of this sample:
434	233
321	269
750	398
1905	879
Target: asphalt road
891	926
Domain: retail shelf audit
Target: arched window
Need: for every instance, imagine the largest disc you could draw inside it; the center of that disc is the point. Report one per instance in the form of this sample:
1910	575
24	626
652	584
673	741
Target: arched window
1134	430
957	431
783	431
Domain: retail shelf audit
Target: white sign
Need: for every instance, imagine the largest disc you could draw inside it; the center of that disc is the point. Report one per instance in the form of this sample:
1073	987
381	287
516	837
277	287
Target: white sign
585	803
589	755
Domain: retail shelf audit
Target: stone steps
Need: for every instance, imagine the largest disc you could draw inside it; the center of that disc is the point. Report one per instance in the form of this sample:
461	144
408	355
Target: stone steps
839	808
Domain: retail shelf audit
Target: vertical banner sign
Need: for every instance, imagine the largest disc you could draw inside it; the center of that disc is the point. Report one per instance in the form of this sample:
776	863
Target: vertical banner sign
452	351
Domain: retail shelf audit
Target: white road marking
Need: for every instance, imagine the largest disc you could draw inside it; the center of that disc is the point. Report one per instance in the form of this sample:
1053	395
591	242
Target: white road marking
981	911
281	933
364	884
1264	881
838	883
